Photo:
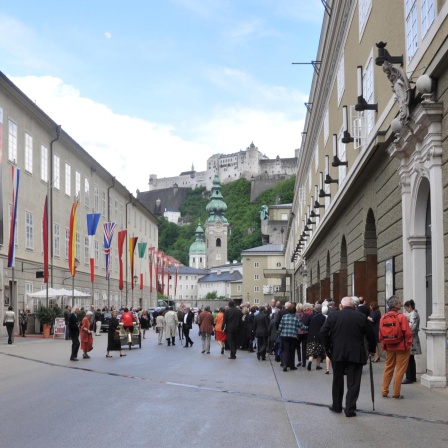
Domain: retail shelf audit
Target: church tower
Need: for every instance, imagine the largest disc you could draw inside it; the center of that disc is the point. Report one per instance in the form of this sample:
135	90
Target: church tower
216	227
197	250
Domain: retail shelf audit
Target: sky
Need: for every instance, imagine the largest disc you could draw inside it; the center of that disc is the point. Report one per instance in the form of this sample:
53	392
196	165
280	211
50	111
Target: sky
158	86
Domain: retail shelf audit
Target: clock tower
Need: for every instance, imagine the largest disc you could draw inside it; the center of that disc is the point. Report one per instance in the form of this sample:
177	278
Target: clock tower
216	227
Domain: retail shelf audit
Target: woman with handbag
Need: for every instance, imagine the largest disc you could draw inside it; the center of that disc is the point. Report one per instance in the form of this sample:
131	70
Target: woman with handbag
113	336
8	322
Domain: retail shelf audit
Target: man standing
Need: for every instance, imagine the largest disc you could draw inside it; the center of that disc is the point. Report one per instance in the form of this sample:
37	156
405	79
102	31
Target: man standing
342	335
74	333
67	312
205	322
362	308
188	318
171	323
233	319
396	339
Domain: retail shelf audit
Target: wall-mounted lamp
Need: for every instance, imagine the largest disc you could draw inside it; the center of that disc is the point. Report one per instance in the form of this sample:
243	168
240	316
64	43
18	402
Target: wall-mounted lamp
336	161
346	138
383	55
322	193
309	221
308	106
317	204
328	179
362	103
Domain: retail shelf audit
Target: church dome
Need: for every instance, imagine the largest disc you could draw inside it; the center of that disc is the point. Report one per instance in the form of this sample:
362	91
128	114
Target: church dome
216	207
198	247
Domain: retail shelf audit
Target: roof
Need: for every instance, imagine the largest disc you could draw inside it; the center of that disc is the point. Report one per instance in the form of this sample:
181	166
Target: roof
187	270
225	276
266	248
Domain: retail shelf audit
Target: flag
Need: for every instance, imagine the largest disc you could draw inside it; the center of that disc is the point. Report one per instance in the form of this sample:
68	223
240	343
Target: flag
109	228
121	238
132	244
176	267
92	224
168	275
158	258
45	239
141	256
15	172
163	273
151	251
72	240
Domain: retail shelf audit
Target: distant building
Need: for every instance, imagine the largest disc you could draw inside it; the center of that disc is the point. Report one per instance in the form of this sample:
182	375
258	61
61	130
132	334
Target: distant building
248	164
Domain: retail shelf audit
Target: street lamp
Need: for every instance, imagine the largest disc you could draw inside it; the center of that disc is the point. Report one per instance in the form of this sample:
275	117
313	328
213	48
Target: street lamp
132	291
76	263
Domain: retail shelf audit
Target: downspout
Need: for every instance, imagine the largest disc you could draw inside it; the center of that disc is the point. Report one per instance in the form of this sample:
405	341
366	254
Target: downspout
58	133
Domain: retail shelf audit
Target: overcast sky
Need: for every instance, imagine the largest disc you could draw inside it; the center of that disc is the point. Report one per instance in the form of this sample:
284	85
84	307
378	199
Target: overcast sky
154	86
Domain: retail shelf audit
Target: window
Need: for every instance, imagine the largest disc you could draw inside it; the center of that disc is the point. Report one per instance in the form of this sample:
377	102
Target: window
419	17
78	246
218	242
256	301
342	157
56	172
77	184
367	84
44	163
86	250
257	277
28	153
56	240
103	203
68	179
67	241
284	217
96	198
364	10
341	79
12	142
256	264
29	230
97	253
256	289
238	288
86	192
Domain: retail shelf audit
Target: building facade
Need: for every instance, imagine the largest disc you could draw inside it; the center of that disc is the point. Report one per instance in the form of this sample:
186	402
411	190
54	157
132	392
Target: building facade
53	165
369	212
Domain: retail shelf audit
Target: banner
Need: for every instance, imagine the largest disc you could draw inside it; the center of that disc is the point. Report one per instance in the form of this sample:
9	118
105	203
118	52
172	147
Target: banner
72	239
132	244
92	224
141	256
121	238
109	228
15	173
151	251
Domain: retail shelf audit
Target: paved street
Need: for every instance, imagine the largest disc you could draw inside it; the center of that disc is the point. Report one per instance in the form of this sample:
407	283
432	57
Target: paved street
167	396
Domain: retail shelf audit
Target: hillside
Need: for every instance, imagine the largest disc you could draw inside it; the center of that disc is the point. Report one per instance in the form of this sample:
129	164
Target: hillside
243	217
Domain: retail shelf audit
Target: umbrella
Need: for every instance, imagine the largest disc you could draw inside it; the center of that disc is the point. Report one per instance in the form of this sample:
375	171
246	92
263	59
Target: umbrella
372	388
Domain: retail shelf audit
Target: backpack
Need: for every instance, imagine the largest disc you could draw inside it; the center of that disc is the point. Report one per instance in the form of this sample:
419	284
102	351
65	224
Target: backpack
390	329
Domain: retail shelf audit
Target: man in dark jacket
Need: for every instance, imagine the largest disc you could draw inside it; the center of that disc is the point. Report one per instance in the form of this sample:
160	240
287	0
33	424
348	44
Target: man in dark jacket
343	338
233	319
261	332
74	333
188	318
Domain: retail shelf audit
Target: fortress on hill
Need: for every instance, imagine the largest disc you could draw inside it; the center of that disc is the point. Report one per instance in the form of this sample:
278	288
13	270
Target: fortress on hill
250	164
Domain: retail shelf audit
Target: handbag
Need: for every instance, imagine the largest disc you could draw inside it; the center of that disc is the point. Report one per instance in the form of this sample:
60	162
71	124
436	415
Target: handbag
116	336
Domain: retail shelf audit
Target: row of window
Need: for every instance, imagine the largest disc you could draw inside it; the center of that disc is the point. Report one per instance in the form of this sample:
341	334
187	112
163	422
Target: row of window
99	196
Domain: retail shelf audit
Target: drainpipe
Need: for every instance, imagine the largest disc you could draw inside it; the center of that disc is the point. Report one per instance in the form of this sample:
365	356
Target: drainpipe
50	197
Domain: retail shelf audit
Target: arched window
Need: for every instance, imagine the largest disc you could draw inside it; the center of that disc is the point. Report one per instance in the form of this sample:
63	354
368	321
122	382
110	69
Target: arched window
218	242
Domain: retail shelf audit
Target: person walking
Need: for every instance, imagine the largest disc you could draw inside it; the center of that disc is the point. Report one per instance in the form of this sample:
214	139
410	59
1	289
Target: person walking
314	347
98	316
342	335
8	321
23	322
188	318
220	336
171	323
261	332
113	342
396	340
232	323
74	333
205	322
145	322
414	322
374	319
86	335
160	326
